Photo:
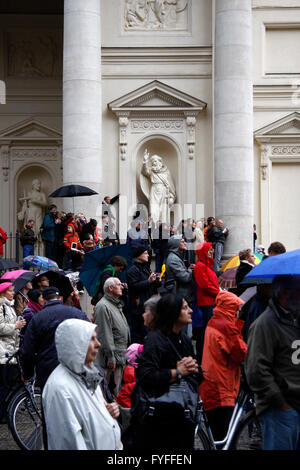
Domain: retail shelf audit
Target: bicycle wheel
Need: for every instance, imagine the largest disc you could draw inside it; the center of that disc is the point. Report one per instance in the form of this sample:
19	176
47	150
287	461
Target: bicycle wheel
24	422
248	434
202	441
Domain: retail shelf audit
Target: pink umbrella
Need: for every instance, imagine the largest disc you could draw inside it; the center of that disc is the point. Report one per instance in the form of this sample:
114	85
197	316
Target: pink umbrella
14	274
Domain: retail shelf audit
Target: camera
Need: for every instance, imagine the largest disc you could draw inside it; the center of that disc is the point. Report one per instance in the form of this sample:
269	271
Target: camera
73	246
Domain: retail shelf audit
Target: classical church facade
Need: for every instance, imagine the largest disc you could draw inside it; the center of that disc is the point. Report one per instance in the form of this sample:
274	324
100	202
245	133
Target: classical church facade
211	86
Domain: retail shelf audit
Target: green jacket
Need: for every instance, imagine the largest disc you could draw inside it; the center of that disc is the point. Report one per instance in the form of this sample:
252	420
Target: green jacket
113	331
272	362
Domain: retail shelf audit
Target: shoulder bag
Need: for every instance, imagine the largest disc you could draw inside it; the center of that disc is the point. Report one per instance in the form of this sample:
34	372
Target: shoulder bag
179	402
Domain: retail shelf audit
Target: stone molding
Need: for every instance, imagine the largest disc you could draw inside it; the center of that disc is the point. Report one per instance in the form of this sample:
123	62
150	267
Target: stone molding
279	143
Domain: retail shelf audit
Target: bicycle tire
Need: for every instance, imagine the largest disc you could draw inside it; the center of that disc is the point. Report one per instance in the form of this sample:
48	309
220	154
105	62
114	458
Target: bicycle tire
248	434
202	441
24	422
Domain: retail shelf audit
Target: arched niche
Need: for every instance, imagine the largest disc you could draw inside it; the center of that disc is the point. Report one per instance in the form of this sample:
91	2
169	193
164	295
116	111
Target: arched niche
165	148
23	186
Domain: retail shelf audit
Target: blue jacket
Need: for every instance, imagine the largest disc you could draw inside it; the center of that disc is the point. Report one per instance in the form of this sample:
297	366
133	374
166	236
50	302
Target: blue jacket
48	228
38	349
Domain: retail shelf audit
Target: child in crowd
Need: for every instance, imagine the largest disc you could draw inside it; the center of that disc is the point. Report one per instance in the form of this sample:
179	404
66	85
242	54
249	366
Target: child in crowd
132	354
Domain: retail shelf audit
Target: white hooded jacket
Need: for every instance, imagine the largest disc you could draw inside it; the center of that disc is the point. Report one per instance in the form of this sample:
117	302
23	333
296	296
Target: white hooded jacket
75	412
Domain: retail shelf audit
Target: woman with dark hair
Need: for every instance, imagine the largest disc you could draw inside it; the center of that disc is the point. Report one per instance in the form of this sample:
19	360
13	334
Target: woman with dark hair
167	357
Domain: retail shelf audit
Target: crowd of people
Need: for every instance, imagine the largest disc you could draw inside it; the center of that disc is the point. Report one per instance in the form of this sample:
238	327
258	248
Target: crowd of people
102	378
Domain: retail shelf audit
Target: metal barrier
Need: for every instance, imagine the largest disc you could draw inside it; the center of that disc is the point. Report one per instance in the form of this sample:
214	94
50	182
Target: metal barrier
12	249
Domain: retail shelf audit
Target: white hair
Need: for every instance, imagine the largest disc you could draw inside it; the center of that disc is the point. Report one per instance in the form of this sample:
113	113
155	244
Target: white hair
110	282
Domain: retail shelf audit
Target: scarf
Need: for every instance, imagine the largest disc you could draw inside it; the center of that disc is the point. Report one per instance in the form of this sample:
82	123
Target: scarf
34	305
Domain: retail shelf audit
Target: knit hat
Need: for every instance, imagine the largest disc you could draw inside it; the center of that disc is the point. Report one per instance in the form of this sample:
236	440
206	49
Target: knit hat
4	286
133	353
137	251
34	295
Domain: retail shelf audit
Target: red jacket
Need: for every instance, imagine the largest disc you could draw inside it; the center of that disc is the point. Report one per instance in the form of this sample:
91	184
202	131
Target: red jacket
224	350
3	238
124	397
70	238
205	277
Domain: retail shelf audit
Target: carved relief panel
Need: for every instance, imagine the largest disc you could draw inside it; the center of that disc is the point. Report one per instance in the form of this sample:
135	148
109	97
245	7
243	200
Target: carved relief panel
34	54
160	15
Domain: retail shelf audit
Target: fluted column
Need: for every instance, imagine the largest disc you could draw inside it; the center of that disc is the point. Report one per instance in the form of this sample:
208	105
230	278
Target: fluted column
233	121
82	101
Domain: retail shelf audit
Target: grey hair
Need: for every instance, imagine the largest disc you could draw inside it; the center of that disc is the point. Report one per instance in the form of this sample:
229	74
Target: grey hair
151	303
110	282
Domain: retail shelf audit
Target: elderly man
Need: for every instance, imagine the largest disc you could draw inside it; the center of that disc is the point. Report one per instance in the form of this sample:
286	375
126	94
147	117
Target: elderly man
273	365
113	332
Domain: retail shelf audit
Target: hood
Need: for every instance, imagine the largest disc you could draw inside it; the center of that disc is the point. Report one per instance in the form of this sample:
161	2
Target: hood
129	375
202	251
173	245
227	304
72	339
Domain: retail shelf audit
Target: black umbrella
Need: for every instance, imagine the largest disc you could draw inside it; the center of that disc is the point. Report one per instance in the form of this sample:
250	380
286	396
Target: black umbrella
73	190
6	264
57	279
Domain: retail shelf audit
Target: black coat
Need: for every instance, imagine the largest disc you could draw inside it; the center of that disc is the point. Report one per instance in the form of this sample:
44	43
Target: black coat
243	269
139	288
153	376
38	347
27	236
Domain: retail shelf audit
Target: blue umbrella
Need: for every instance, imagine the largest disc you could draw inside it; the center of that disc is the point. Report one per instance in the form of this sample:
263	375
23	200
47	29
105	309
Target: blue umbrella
284	264
39	263
95	261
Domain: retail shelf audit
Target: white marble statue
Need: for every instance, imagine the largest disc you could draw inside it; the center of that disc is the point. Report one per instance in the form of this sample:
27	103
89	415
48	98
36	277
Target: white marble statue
33	205
161	189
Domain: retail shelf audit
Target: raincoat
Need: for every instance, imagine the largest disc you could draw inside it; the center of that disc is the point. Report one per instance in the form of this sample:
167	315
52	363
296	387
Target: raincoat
176	269
75	412
224	350
205	277
9	335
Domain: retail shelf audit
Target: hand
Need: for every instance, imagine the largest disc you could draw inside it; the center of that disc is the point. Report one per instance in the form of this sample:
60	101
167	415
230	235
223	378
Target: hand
111	365
152	278
192	266
113	409
20	324
187	365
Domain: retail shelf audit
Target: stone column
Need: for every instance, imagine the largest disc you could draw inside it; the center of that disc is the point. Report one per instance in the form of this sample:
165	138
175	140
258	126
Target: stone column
82	101
233	122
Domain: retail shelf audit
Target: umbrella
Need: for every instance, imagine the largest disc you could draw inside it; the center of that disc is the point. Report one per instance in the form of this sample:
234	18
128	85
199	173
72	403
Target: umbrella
284	264
73	190
95	261
22	280
7	264
227	278
57	279
14	274
40	262
234	261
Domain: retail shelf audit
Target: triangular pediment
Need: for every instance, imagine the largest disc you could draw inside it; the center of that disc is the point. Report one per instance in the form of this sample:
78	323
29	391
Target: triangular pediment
30	129
156	96
286	127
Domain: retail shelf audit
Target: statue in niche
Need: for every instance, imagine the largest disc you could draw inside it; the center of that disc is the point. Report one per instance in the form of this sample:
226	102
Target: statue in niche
158	186
33	206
